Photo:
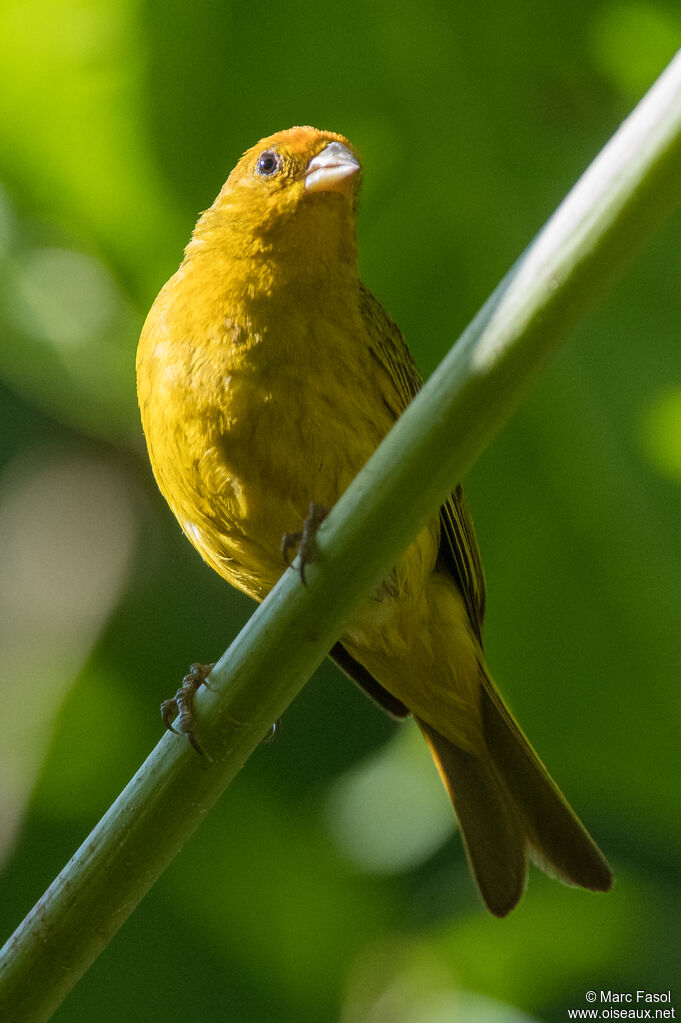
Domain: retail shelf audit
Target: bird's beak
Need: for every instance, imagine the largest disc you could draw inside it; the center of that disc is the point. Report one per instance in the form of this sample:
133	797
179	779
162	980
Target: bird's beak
333	170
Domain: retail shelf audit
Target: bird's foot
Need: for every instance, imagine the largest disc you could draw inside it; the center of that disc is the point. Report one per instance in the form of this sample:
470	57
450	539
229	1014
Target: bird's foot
183	701
306	540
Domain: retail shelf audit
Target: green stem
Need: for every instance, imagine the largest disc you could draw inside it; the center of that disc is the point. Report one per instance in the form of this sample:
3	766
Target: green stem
633	185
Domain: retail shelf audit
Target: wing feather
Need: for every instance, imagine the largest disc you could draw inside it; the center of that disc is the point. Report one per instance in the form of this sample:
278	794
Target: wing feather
459	551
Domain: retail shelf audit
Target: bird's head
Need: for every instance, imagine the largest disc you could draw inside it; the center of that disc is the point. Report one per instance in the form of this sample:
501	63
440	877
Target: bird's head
293	196
294	168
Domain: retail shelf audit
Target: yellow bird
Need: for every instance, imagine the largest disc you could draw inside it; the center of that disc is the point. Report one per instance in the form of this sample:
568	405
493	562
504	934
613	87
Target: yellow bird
267	375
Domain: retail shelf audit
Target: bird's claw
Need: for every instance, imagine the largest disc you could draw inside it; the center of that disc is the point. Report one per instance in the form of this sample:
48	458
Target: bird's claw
180	706
275	728
306	540
289	542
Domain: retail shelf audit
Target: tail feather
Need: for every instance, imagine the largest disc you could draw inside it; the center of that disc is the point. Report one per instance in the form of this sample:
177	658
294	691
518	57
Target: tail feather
509	808
492	833
559	841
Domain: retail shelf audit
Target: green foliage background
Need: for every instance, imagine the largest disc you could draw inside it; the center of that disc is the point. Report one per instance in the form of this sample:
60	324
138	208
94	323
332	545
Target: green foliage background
329	883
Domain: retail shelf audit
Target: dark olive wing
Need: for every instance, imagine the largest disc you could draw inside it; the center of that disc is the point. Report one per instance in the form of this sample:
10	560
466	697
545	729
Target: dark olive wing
458	552
366	681
458	547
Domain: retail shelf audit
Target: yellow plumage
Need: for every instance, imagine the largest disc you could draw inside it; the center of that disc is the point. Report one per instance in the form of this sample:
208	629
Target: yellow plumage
267	375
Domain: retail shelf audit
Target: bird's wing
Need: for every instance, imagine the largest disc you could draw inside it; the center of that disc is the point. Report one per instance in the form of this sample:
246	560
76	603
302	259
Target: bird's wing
366	681
458	546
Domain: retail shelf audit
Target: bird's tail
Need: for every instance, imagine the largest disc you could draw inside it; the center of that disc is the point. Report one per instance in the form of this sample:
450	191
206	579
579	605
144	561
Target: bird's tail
509	808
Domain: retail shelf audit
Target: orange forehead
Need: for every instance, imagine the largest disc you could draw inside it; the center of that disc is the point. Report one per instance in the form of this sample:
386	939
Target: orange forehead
300	140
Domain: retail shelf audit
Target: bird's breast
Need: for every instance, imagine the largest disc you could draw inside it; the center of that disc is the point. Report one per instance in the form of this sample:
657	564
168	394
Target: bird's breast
248	425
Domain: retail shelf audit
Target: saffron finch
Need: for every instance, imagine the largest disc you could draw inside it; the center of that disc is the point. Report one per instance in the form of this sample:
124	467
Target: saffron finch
267	375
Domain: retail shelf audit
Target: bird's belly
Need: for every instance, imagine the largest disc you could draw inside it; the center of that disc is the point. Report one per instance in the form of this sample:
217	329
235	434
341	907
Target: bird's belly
253	462
283	453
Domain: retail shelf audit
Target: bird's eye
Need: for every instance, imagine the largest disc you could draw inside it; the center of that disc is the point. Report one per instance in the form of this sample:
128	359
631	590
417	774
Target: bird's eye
268	163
